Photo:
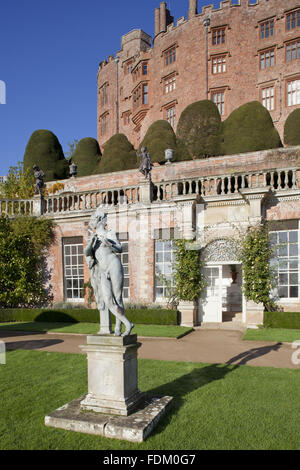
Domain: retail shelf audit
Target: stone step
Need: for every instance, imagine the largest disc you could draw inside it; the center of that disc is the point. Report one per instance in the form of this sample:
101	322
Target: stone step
239	326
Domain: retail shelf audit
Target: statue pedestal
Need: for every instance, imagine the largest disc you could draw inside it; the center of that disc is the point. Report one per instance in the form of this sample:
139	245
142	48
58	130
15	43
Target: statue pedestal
146	191
112	374
113	407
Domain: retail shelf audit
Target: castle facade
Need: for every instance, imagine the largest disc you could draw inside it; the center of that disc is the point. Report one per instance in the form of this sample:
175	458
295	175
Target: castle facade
231	55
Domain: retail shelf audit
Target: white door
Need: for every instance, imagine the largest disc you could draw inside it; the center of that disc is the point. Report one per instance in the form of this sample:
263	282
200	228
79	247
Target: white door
211	302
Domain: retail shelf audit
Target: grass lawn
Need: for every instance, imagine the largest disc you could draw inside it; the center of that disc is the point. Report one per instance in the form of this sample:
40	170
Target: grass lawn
215	406
168	331
272	334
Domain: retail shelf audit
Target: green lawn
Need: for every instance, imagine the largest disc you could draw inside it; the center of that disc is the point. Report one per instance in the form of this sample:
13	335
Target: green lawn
168	331
272	334
215	406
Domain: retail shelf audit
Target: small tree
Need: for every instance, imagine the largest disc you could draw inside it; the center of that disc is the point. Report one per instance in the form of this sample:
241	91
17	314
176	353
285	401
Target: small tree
255	255
22	262
19	184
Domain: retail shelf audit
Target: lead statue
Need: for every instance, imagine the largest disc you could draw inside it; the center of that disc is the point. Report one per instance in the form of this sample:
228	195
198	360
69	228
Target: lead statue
146	165
106	270
39	180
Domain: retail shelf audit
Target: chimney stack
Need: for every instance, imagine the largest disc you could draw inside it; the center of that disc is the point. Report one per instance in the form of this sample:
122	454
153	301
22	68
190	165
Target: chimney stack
163	16
192	9
157	21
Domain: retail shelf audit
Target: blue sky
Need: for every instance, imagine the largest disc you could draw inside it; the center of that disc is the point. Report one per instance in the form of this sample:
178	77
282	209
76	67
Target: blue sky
49	56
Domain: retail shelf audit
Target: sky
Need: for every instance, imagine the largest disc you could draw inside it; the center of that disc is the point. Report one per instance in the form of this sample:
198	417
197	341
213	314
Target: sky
49	57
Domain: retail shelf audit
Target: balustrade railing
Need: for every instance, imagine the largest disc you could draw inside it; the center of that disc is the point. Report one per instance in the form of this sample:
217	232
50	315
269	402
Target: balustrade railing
222	185
13	207
205	186
87	200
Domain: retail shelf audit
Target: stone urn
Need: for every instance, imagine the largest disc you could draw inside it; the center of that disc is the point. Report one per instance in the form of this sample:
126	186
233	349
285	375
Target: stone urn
169	155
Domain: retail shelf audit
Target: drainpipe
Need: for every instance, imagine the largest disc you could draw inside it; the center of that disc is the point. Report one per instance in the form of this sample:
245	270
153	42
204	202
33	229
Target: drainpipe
206	23
117	96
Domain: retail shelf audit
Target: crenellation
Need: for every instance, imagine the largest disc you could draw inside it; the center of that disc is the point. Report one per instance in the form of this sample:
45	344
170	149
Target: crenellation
180	21
225	4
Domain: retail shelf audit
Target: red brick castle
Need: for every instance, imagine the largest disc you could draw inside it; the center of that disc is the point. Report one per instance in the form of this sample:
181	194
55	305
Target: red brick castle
230	55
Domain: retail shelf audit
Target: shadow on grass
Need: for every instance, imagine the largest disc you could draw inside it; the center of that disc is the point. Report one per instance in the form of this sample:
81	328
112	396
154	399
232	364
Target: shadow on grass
32	344
184	385
31	327
200	377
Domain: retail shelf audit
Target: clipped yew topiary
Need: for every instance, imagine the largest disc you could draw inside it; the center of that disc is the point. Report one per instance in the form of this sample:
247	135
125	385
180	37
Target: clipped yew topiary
199	127
249	128
118	155
292	128
43	149
87	156
159	137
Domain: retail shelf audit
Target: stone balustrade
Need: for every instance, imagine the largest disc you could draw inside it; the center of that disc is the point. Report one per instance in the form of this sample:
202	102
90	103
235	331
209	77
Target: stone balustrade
90	200
205	186
226	185
13	207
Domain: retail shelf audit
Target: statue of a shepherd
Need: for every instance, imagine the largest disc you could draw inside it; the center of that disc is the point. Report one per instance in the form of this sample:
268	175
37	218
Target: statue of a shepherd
39	179
107	271
146	165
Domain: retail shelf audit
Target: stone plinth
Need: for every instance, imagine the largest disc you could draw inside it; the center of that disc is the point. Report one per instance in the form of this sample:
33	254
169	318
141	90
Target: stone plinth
114	407
189	313
112	374
254	314
135	428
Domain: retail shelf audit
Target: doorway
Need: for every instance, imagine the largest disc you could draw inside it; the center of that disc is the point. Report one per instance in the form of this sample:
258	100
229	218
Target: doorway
222	300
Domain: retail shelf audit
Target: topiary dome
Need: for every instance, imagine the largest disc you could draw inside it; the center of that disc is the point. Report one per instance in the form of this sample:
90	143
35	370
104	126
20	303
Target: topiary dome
292	128
44	150
87	156
118	155
199	127
249	128
159	137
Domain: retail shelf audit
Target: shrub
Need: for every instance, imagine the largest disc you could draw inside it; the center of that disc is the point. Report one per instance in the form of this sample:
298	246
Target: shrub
249	128
199	127
159	137
290	320
157	316
86	156
22	268
292	128
20	183
44	150
118	155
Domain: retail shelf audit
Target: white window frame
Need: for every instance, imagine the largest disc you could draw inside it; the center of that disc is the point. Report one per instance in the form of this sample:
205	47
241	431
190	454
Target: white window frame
73	271
163	264
293	92
218	97
171	115
289	269
268	97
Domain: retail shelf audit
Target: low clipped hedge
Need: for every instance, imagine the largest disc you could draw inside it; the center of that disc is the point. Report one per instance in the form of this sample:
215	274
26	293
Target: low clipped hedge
81	315
289	320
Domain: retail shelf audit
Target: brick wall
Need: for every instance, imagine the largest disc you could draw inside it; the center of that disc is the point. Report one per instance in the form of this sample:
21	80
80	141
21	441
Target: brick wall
243	80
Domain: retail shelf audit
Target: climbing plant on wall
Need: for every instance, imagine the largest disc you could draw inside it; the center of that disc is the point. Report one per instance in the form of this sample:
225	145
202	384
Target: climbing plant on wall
255	255
189	280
